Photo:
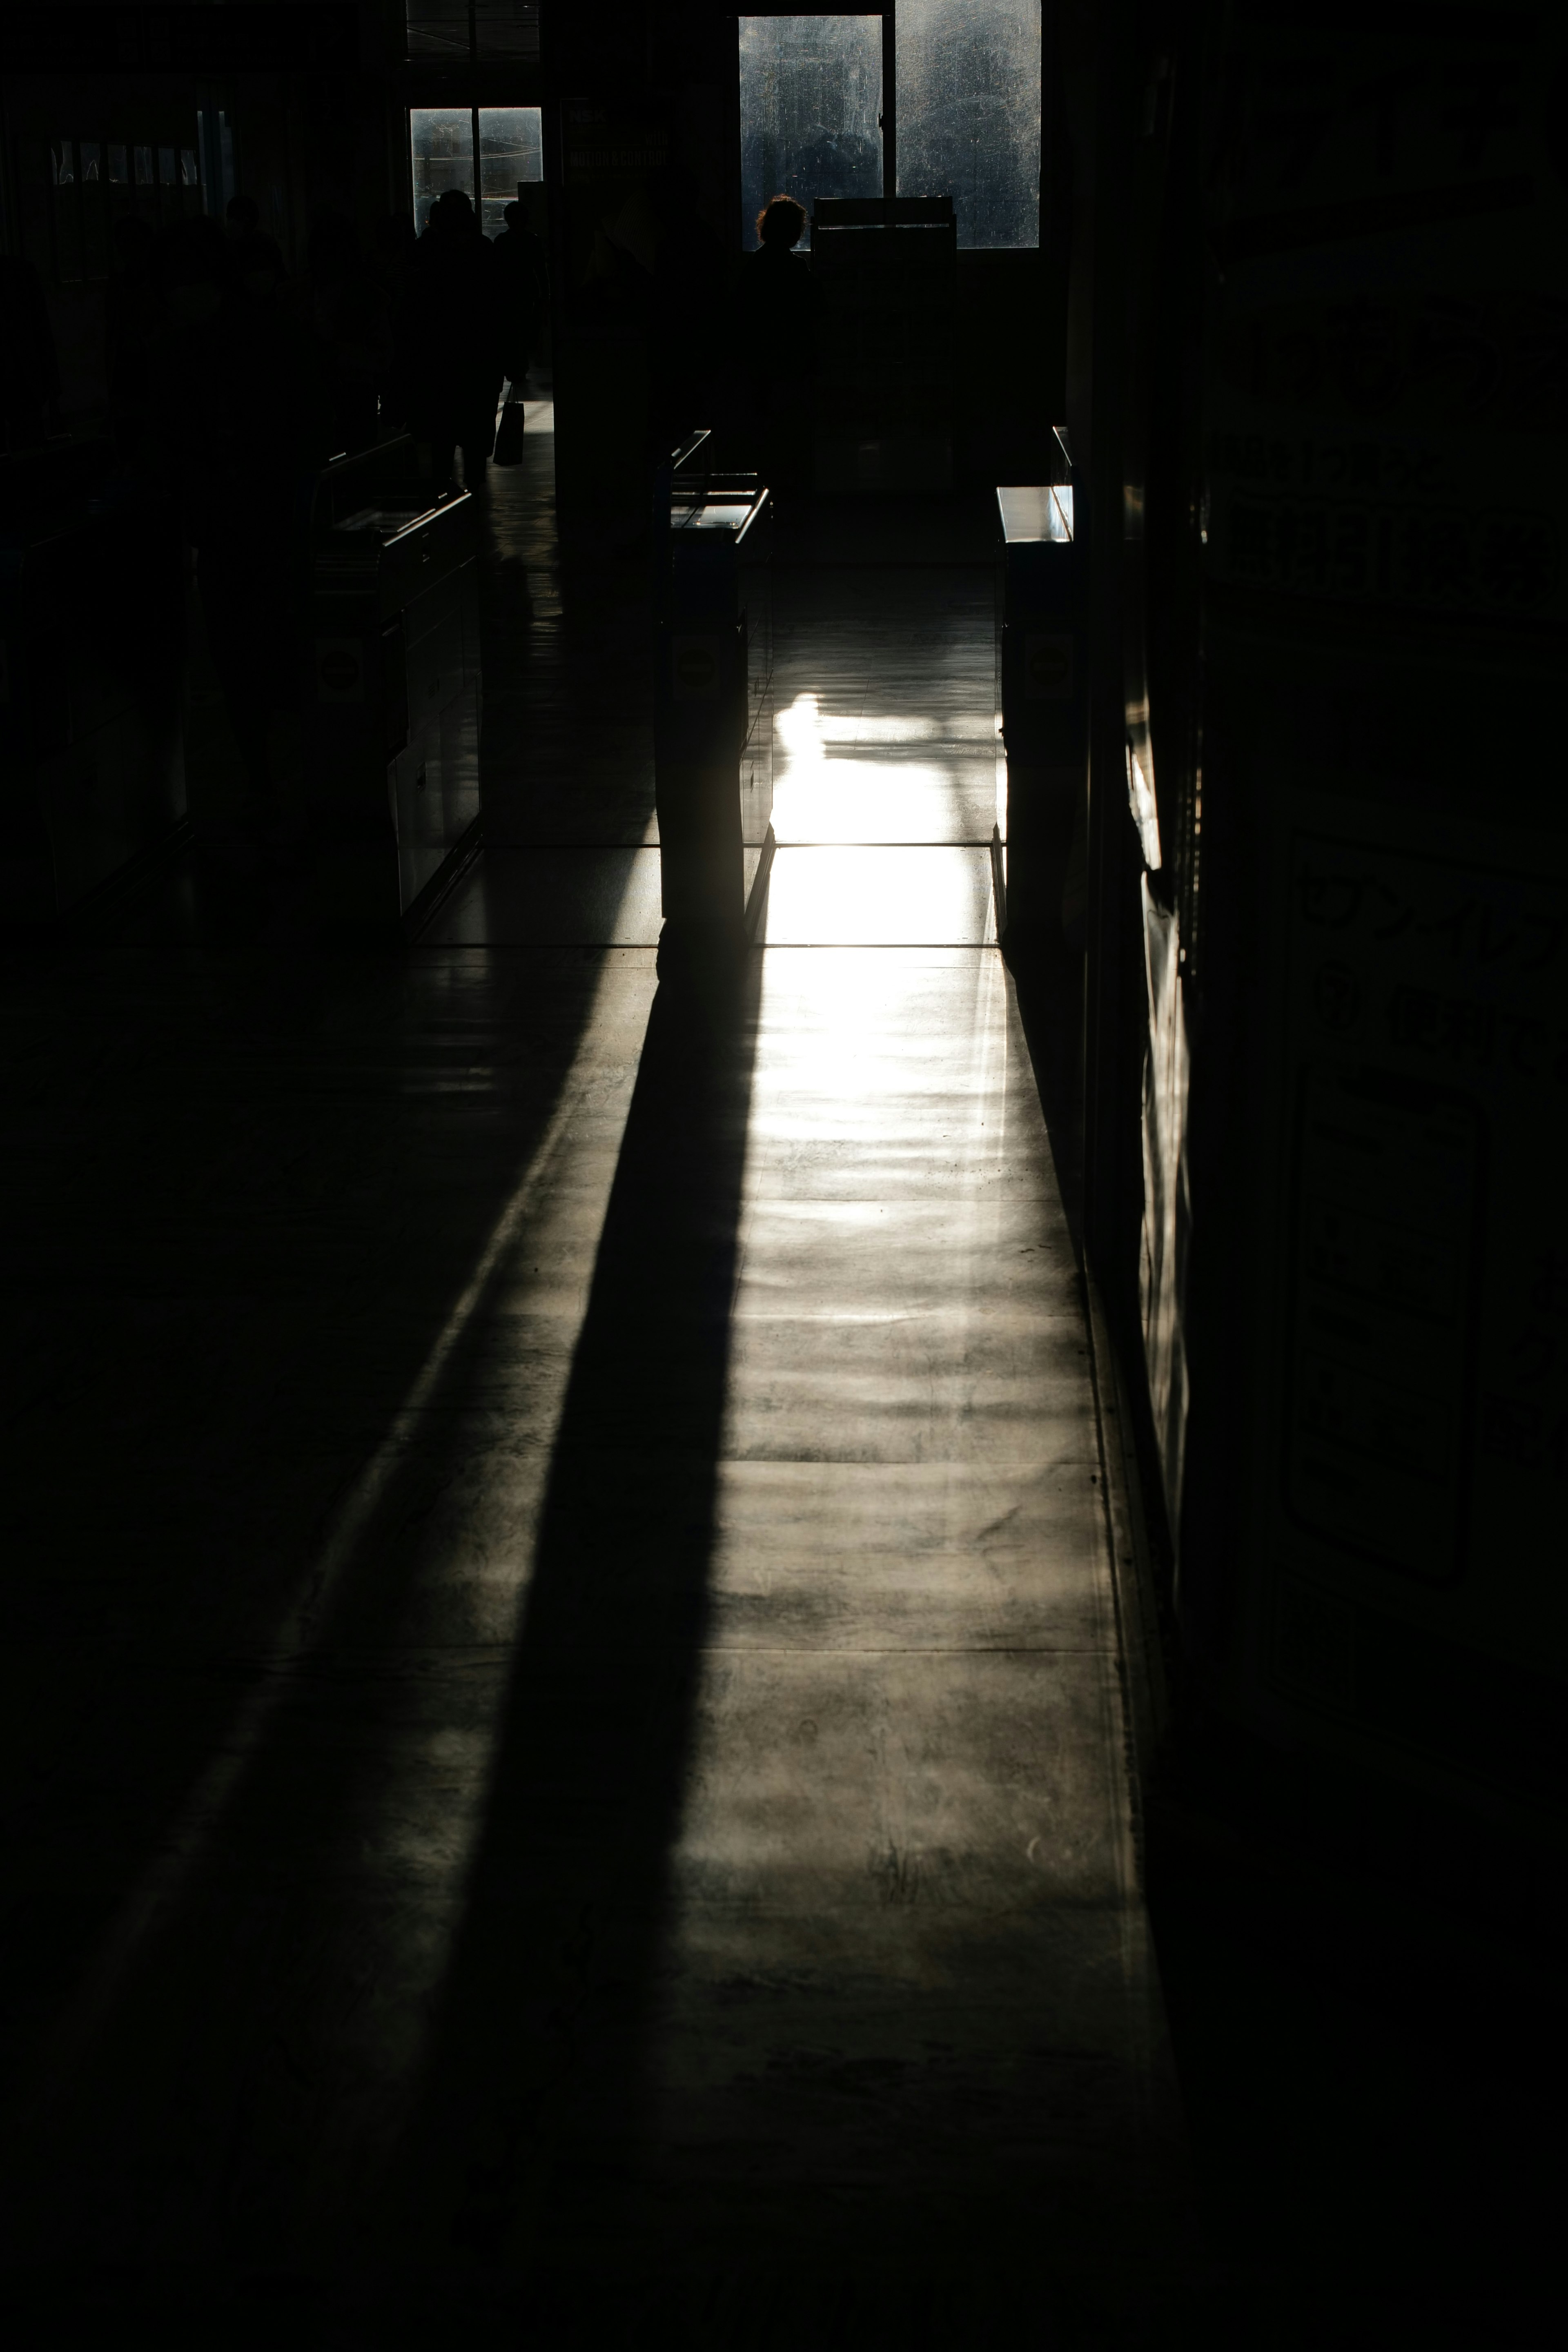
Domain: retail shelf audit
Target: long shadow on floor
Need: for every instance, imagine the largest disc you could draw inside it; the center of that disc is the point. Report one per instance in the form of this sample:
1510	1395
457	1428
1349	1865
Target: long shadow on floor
226	1275
527	2146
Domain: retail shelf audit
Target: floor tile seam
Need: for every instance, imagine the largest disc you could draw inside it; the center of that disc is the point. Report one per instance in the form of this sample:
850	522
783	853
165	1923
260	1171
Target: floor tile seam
968	841
400	1661
953	1352
776	1166
969	746
500	1658
944	1310
977	1649
509	947
896	563
1069	1464
867	947
537	947
431	946
880	947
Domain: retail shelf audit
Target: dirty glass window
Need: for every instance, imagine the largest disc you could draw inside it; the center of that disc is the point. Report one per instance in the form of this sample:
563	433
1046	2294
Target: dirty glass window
510	149
811	103
442	138
968	79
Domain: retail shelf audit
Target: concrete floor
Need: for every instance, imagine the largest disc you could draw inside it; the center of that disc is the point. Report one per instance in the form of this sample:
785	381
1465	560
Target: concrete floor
570	1762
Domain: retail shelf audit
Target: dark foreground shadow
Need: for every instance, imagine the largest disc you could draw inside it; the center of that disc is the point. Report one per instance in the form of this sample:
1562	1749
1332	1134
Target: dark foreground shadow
525	2155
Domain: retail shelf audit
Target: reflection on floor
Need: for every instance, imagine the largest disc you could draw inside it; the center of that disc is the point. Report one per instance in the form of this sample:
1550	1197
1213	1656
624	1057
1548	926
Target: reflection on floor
574	1763
551	896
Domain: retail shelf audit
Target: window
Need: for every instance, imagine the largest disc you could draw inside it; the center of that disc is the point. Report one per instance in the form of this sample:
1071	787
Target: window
969	113
811	111
483	150
510	149
473	32
964	120
442	138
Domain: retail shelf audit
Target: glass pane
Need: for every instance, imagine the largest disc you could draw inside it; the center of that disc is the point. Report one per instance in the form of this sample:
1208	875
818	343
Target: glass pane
510	149
90	152
143	167
438	28
62	155
119	166
811	104
189	175
442	138
507	30
969	113
167	175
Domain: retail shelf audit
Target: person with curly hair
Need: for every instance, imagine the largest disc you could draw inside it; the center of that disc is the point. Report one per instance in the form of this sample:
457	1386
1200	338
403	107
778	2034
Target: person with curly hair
779	326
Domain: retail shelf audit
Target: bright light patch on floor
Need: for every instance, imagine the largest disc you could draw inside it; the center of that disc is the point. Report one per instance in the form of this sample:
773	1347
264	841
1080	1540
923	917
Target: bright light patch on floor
804	729
963	726
881	897
884	795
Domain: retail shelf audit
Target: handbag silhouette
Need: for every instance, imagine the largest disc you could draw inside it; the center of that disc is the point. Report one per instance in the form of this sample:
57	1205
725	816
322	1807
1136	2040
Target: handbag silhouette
509	435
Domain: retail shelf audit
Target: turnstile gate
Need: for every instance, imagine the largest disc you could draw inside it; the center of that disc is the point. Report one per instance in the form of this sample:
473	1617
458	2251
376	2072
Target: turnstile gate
394	690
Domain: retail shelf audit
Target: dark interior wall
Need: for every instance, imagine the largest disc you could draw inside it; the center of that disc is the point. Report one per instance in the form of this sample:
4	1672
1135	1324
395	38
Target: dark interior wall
1010	377
674	65
323	134
307	93
1364	1623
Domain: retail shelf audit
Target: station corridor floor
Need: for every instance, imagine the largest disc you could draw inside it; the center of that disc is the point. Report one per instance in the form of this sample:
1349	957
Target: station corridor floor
574	1781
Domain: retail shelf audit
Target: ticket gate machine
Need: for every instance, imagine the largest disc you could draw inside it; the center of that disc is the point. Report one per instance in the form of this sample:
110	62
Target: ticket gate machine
392	696
1043	715
713	723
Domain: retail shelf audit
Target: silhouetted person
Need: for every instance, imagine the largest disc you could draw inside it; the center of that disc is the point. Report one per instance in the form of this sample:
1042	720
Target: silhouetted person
457	338
524	292
29	371
778	316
